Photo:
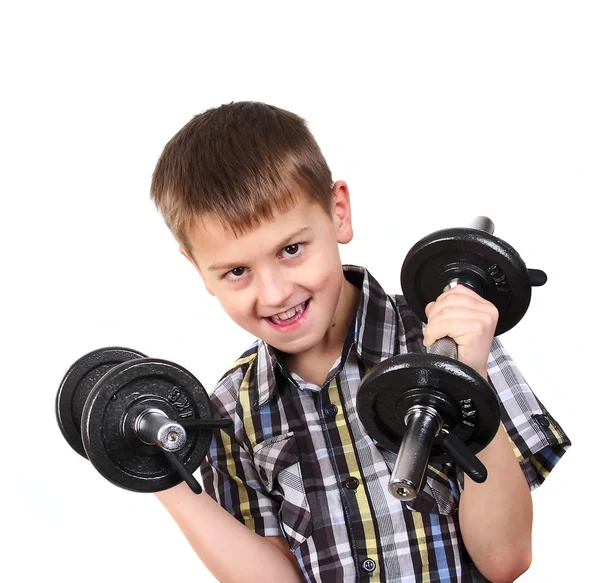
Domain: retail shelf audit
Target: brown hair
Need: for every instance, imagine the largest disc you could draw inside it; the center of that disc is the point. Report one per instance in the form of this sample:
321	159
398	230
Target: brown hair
237	163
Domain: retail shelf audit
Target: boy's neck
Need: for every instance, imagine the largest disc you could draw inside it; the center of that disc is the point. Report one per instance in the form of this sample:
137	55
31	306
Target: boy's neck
314	365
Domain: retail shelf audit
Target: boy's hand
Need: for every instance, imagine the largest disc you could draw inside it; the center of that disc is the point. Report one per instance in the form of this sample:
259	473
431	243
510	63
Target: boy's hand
466	317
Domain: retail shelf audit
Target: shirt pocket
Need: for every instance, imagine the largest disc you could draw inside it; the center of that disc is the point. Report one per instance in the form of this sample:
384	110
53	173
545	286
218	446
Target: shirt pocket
278	463
440	493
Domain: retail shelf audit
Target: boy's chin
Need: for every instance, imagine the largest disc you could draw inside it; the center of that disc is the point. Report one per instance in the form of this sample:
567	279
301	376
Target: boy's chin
292	348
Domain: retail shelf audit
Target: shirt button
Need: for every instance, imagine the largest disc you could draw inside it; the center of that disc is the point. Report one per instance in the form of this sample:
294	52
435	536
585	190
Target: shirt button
542	420
369	565
351	483
331	410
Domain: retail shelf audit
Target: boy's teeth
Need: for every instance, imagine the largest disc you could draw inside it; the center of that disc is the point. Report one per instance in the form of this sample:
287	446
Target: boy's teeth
287	315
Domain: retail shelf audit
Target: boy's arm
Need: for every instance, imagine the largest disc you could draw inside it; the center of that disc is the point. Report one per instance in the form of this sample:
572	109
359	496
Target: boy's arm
496	516
233	526
529	439
230	550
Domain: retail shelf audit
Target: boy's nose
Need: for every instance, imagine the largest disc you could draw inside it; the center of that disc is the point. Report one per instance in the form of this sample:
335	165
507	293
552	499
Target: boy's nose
274	290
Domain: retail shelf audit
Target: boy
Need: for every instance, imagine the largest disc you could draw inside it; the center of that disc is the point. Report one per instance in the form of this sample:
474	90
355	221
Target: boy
301	488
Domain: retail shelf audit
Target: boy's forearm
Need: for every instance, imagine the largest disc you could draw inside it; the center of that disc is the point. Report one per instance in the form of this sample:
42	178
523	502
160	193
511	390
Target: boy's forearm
228	549
496	516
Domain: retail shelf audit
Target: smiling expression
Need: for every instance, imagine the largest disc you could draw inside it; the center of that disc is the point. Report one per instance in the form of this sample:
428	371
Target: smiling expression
283	281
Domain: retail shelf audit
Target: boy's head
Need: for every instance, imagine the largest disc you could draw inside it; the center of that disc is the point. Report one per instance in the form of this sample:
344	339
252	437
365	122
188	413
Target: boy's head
247	193
237	163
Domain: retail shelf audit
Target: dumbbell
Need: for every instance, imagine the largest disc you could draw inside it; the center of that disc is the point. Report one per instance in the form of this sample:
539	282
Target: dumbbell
144	423
431	407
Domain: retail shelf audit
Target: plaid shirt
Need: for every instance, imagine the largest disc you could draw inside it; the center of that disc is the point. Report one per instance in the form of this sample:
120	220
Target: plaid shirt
298	461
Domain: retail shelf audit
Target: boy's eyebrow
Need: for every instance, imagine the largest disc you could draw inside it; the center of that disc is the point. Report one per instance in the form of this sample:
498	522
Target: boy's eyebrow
287	241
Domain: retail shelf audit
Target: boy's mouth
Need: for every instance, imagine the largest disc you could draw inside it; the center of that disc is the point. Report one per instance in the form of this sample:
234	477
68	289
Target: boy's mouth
290	316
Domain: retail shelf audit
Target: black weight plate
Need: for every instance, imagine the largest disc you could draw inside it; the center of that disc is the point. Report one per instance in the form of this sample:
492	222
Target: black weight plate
109	415
469	405
497	269
77	385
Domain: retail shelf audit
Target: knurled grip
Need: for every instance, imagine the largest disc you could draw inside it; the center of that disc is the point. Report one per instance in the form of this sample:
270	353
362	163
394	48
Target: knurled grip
444	347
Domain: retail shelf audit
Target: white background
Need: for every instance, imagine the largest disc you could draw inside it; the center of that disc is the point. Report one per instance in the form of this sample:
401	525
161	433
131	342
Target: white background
433	112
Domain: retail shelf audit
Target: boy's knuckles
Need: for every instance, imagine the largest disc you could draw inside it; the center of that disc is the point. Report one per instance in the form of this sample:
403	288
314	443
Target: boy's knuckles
494	313
480	327
457	313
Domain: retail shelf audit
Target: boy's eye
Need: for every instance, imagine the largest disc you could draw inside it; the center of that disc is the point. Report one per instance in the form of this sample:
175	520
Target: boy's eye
235	273
292	250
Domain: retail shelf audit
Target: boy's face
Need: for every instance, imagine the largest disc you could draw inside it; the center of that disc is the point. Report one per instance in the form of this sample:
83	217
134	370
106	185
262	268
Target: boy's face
283	281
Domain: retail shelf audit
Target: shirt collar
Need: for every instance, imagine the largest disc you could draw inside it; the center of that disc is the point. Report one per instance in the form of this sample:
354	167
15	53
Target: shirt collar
374	332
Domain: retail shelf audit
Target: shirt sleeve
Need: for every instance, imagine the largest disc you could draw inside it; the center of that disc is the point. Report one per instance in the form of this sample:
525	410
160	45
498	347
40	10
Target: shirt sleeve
229	474
537	439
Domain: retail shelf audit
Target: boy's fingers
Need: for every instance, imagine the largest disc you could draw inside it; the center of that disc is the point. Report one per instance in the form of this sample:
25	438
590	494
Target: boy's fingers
428	307
458	312
461	329
459	300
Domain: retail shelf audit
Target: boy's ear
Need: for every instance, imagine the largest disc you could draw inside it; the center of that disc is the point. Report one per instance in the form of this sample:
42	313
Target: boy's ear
341	212
191	260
